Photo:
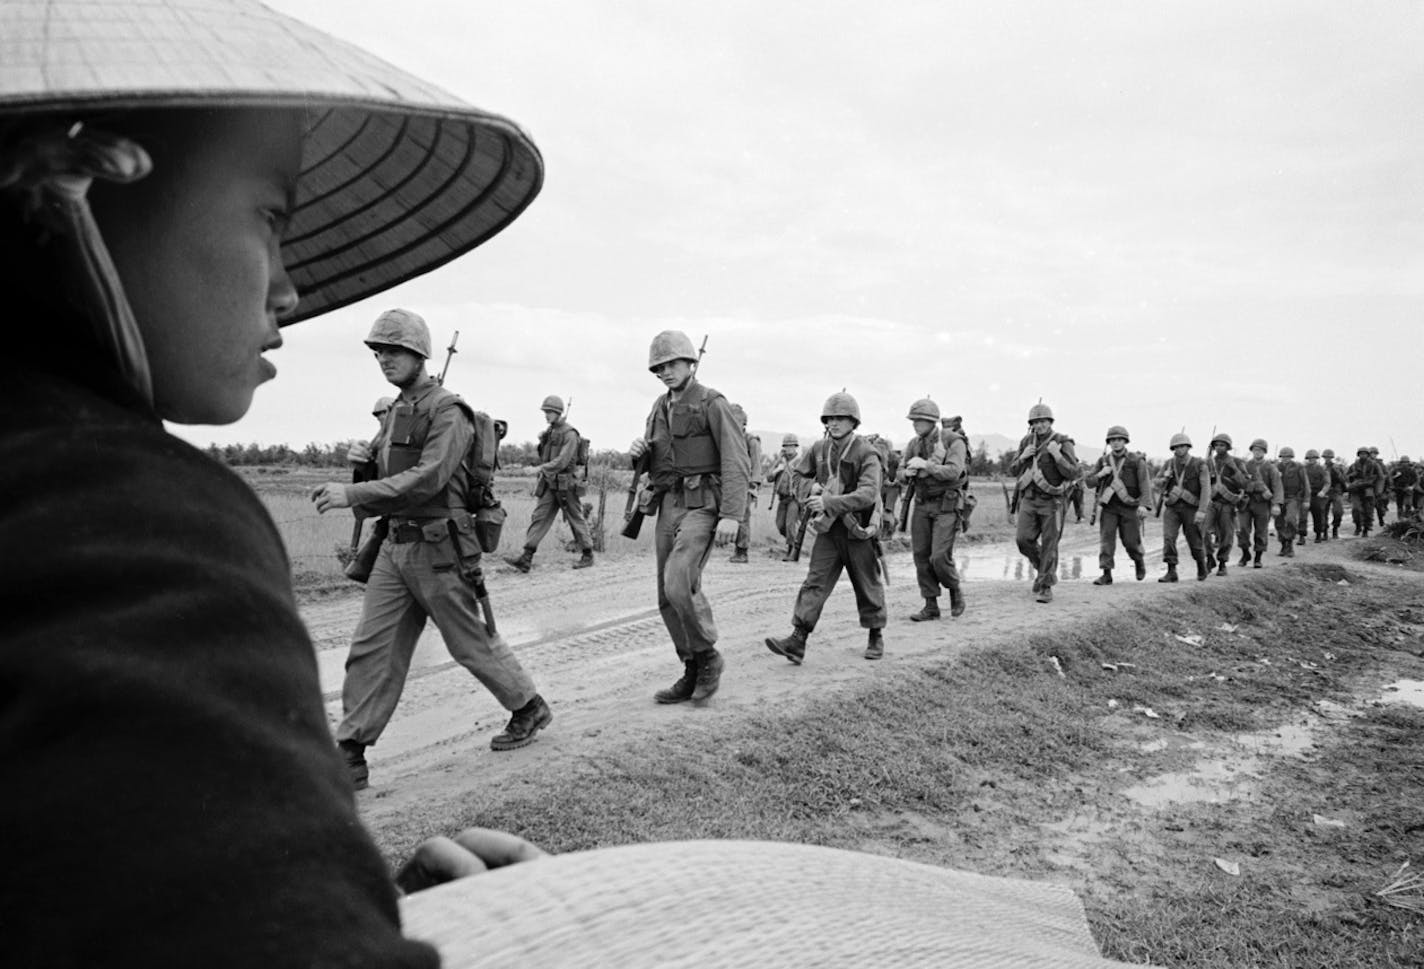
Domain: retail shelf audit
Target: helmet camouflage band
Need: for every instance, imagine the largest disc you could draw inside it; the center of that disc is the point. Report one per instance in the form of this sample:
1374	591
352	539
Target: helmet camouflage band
1260	442
1222	438
841	404
553	403
923	409
1312	453
1179	439
1040	412
1287	452
401	328
1117	430
670	345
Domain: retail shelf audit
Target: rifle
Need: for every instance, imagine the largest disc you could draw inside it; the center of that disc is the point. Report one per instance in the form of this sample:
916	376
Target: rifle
632	516
450	352
1093	518
904	520
801	525
1162	495
473	576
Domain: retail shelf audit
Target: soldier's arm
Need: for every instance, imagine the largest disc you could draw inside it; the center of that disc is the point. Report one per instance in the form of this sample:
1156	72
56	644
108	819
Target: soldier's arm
1020	462
951	467
1278	492
564	459
1067	458
727	431
445	447
1144	475
867	490
1204	482
754	457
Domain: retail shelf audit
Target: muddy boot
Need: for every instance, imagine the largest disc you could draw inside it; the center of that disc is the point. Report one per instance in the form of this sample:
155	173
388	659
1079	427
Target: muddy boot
1140	567
1256	562
1202	569
1288	550
680	691
1335	532
956	601
1045	593
1245	558
527	721
928	613
1210	563
1221	567
1171	575
1301	539
709	675
875	645
524	562
1319	538
793	647
585	560
788	557
354	754
1104	579
739	556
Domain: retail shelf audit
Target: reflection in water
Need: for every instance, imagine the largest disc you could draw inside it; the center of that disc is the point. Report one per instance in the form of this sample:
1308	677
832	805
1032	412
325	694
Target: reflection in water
1014	566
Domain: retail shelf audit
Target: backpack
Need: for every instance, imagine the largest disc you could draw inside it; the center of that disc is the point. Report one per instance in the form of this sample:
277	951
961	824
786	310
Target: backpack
481	461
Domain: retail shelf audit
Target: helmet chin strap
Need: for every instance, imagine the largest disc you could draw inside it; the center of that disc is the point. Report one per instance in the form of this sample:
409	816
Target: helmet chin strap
52	170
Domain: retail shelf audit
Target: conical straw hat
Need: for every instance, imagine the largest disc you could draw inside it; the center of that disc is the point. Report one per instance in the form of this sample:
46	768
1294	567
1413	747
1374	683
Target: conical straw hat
711	904
398	176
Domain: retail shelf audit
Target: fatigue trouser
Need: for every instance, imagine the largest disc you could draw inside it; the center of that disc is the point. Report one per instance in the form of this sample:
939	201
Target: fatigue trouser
1290	518
933	530
1180	516
1362	510
833	552
1337	509
1403	503
744	527
1253	526
1382	505
683	541
410	582
1220	530
788	513
1302	521
1320	515
1039	527
1117	519
546	508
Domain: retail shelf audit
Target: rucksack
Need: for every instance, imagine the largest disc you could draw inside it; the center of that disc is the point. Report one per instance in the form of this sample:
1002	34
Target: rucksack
481	462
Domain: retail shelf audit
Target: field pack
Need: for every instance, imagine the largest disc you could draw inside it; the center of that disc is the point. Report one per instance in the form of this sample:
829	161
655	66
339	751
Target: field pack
481	462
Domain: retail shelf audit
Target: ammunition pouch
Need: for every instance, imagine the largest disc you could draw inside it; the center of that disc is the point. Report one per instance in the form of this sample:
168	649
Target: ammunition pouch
489	525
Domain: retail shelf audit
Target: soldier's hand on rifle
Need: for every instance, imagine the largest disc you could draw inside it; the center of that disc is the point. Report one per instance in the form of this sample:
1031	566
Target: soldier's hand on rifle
1027	452
816	503
328	496
726	531
915	464
1275	510
1200	517
636	449
1142	513
359	453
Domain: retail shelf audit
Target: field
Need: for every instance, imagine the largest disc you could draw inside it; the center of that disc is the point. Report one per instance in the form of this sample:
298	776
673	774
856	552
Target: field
1225	772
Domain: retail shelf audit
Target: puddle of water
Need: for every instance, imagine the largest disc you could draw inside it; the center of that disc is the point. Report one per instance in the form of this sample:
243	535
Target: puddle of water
990	564
1231	776
1405	691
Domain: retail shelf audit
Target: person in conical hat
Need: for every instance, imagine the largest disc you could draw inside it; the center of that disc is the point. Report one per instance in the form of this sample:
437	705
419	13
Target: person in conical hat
178	181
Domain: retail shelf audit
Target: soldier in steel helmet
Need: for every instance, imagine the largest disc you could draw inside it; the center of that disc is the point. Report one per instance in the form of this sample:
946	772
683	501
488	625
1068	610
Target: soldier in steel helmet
1185	485
1318	477
1337	491
1404	482
1229	481
1047	467
934	468
1295	492
699	481
557	489
1263	501
1362	480
1124	493
789	489
1382	489
847	472
744	528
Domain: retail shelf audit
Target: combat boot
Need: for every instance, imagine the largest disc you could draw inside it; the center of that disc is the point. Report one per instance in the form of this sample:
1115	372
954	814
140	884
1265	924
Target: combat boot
1171	575
354	754
1202	569
524	562
585	560
929	612
1141	568
1288	549
793	647
1301	539
1221	567
1256	563
956	601
1335	532
681	691
1045	592
875	645
1104	579
739	556
709	675
788	557
1245	558
527	721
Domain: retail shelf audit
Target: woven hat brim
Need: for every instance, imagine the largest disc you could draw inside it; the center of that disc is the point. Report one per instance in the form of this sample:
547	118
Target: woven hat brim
399	177
711	904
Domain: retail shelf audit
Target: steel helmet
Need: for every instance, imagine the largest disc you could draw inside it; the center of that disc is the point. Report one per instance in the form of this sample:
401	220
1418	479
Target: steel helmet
1040	412
400	328
554	403
1363	450
1224	438
1179	439
1117	430
1260	442
1328	454
382	405
1312	453
1374	451
670	345
1287	452
790	440
739	414
1404	459
923	409
841	404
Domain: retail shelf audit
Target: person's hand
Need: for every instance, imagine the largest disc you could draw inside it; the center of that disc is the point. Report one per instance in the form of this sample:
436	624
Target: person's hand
1275	510
1026	453
637	448
1200	517
726	531
917	463
1142	513
472	851
817	504
359	453
1055	449
330	495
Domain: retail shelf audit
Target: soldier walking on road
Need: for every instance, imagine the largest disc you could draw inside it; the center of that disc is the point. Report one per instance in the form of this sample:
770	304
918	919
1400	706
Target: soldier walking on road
1362	480
1337	491
788	489
1046	467
1404	481
934	470
1263	501
1123	487
419	480
1186	488
1381	489
557	488
744	530
1295	493
699	471
1228	493
1318	476
847	508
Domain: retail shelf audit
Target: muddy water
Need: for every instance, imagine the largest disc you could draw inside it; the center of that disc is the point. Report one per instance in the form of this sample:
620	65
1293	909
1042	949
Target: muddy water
1405	691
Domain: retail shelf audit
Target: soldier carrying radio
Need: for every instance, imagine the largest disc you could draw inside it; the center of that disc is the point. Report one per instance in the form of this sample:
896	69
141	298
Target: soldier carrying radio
561	451
422	483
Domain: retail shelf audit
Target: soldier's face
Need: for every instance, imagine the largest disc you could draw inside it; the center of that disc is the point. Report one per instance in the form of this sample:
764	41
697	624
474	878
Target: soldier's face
399	366
674	373
923	427
788	451
1220	448
1041	426
1258	453
1181	450
550	416
1117	444
838	427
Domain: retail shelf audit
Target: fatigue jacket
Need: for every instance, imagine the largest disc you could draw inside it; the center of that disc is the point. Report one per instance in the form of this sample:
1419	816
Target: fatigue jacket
1265	481
850	472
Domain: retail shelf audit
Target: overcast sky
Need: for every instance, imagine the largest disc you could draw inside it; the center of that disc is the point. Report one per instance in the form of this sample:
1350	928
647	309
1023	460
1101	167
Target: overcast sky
1207	214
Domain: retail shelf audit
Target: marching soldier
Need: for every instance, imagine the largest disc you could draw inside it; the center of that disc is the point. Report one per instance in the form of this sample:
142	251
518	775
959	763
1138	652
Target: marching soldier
787	490
889	487
1382	489
419	481
557	489
1404	481
1228	493
933	471
1295	492
1337	491
699	474
1362	481
1185	486
1046	466
846	503
1123	487
744	530
1263	501
1318	476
